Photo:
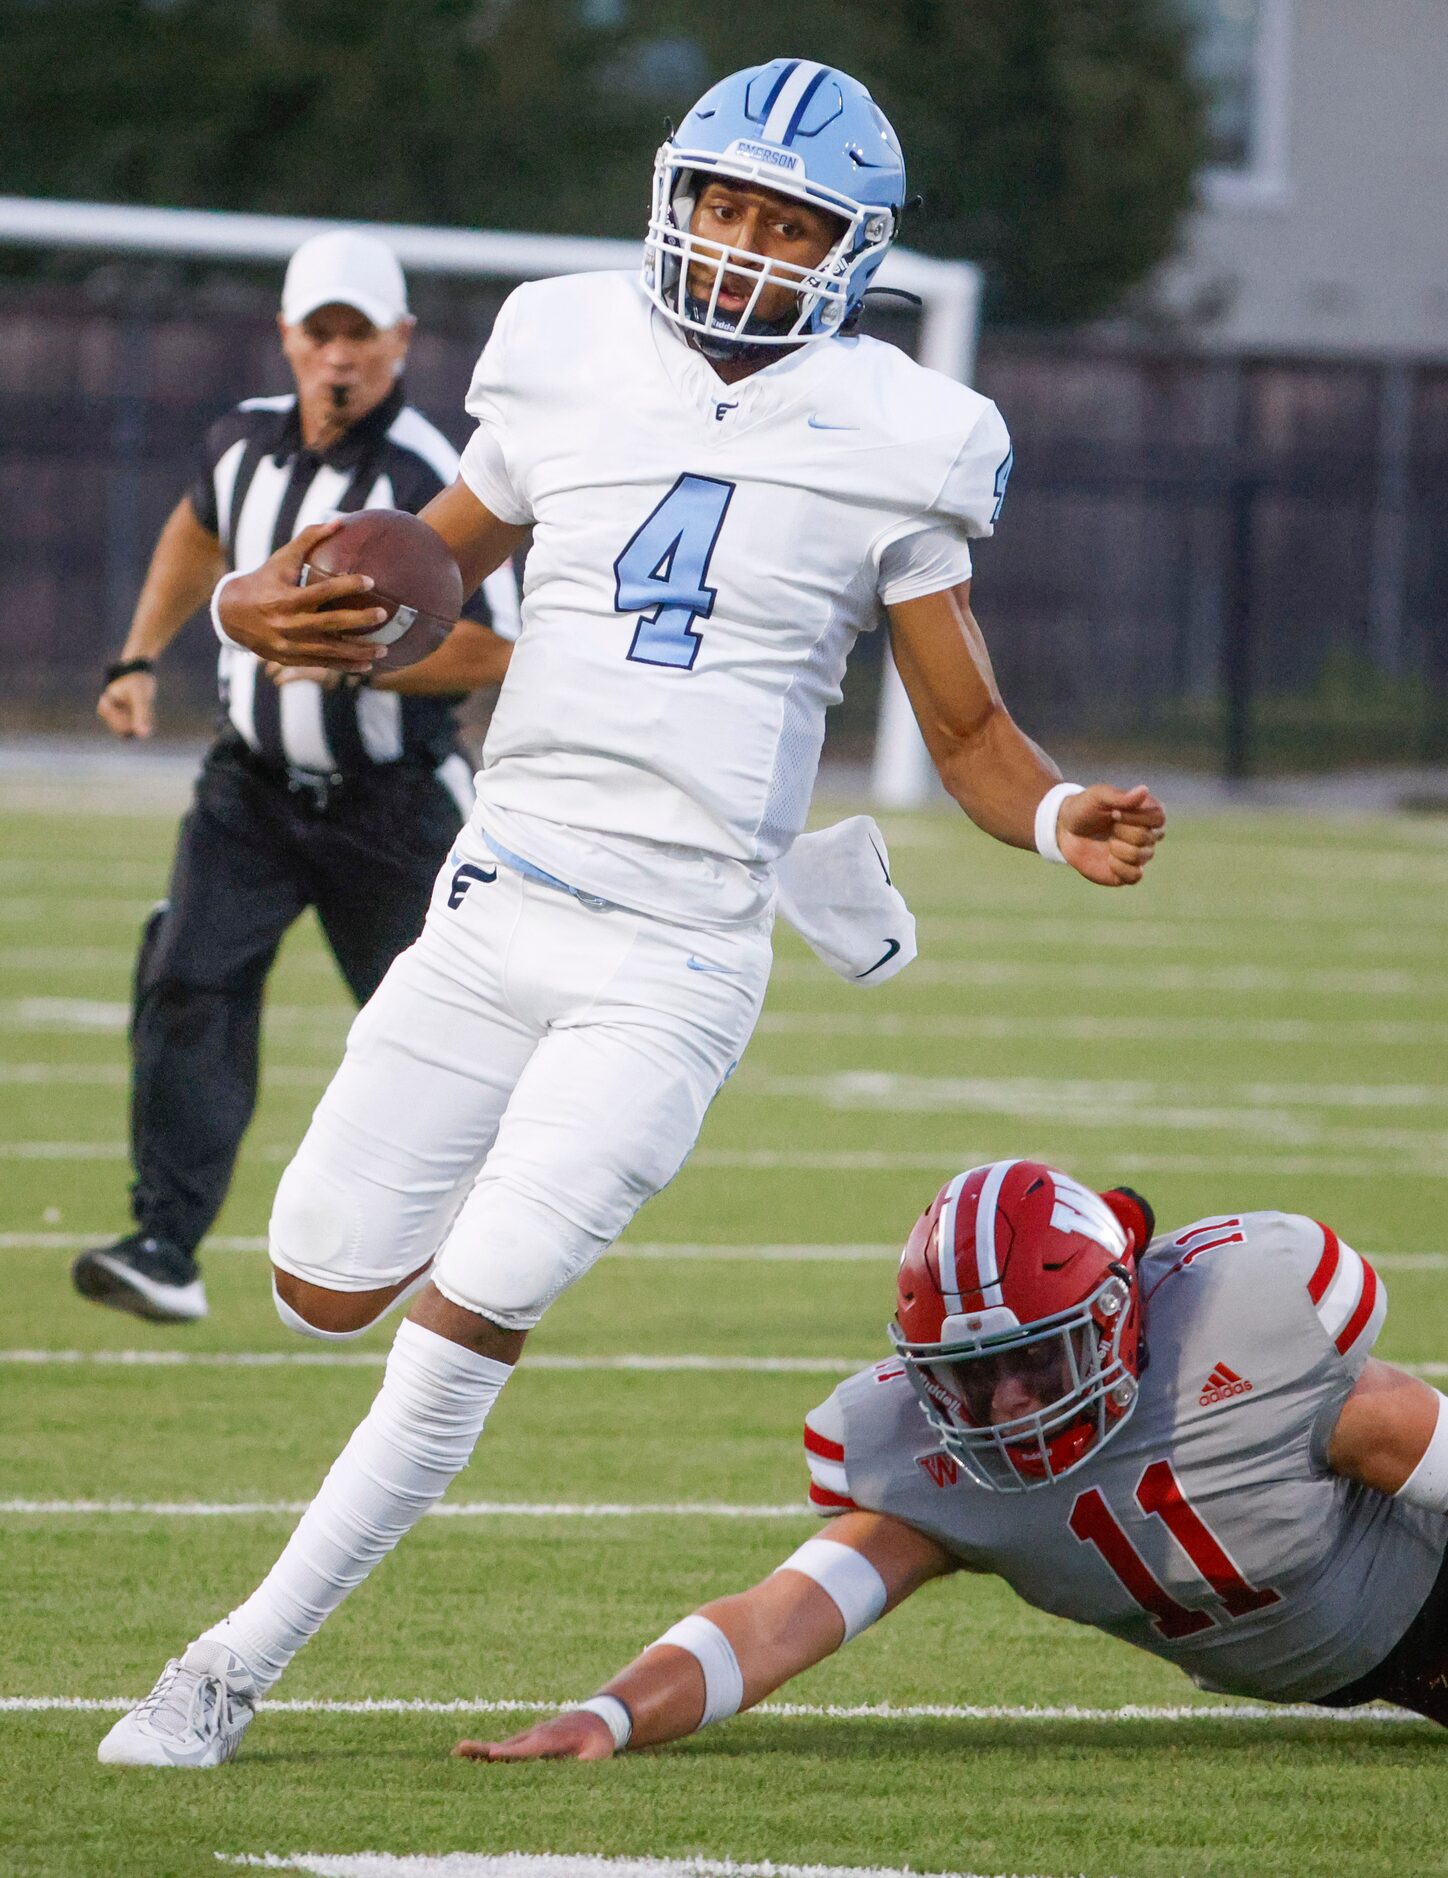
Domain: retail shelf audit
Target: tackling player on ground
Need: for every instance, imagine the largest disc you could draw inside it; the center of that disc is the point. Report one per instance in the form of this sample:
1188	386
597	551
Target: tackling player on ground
1182	1440
725	487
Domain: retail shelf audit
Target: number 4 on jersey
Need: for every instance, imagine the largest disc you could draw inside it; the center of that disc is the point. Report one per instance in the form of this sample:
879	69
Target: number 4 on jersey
661	573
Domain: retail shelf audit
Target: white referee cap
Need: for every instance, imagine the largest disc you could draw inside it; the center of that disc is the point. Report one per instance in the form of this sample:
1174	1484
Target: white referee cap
345	267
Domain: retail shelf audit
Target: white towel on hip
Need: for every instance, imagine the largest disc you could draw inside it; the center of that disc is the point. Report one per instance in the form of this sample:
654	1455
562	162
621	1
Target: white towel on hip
835	890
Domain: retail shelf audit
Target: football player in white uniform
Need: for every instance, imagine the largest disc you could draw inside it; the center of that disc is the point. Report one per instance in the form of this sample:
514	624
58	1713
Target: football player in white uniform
725	486
1183	1440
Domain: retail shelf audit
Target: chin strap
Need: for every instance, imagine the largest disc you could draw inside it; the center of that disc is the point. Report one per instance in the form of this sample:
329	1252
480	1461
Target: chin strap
721	346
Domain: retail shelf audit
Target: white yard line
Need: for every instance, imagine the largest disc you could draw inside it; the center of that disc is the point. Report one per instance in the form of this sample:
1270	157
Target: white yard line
374	1359
831	1711
1123	1162
44	1015
656	1251
1070	1096
1087	1027
552	1865
118	1075
1238	980
462	1509
1429	1164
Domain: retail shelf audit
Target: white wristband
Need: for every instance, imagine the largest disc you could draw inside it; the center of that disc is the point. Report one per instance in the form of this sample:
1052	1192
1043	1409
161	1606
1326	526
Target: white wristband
714	1653
1427	1485
1047	810
222	634
844	1575
614	1715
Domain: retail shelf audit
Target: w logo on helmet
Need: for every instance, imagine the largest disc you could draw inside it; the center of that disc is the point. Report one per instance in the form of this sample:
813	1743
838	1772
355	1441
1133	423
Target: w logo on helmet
941	1469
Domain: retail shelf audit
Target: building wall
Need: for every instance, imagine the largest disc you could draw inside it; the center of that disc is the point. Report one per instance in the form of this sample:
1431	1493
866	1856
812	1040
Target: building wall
1334	237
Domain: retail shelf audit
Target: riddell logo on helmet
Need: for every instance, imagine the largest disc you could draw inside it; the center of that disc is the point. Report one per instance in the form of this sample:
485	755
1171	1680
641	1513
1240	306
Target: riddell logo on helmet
1221	1385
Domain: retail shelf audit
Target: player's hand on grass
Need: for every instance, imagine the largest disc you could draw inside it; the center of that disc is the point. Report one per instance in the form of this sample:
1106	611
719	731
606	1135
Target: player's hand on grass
127	706
272	616
575	1736
1108	835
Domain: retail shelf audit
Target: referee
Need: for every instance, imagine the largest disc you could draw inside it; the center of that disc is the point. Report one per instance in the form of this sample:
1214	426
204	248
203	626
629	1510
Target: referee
338	795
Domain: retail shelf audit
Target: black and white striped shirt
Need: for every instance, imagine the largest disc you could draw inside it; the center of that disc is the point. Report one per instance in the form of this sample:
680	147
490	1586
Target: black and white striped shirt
258	487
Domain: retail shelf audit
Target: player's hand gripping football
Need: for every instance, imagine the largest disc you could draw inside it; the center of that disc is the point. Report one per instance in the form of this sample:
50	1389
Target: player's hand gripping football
574	1736
272	616
1108	835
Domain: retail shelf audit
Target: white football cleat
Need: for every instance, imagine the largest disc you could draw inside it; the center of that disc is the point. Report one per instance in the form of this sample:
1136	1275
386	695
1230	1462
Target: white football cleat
195	1716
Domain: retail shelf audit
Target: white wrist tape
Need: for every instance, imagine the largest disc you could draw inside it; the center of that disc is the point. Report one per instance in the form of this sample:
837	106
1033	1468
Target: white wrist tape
615	1717
714	1653
222	634
1427	1485
844	1575
1047	809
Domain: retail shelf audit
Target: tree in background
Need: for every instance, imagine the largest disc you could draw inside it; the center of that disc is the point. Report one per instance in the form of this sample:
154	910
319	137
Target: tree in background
1054	141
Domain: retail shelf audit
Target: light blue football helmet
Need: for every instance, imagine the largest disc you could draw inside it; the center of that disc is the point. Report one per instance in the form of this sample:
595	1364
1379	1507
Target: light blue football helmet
804	130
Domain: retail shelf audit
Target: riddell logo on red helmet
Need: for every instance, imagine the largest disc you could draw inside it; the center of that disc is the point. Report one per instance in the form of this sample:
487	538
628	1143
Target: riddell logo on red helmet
1222	1384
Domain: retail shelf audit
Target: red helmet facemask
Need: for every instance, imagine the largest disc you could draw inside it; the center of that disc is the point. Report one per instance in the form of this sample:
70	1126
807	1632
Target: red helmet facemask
1018	1319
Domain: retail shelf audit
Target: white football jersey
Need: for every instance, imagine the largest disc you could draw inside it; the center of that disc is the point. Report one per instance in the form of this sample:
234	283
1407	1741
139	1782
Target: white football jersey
1208	1529
703	558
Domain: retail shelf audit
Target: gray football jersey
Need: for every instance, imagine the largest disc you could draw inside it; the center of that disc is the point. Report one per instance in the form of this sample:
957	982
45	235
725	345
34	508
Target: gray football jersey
1208	1529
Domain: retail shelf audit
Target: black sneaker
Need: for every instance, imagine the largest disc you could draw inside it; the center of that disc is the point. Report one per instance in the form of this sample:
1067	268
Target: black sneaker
148	1277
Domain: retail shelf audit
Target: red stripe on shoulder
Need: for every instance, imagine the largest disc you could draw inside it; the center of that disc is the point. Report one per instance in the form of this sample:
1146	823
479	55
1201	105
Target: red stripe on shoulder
1326	1265
817	1444
836	1502
1356	1324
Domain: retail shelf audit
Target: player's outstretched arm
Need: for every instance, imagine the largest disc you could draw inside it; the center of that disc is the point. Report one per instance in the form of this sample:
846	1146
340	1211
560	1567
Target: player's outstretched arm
1392	1434
783	1625
988	764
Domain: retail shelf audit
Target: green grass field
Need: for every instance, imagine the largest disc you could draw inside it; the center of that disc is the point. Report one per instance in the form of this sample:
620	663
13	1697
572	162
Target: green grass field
1263	1023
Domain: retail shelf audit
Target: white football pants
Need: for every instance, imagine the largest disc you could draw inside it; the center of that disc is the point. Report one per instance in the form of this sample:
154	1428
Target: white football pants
529	1072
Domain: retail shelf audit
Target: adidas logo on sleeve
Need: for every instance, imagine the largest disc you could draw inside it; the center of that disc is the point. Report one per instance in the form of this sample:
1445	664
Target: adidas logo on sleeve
1221	1385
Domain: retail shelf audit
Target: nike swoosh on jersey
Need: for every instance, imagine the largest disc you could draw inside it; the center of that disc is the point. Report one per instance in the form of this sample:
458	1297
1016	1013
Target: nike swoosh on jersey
815	424
892	946
704	965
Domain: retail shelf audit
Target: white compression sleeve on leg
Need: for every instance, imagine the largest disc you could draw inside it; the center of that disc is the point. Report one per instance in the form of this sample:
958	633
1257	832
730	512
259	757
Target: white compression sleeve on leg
844	1575
714	1653
416	1438
1427	1485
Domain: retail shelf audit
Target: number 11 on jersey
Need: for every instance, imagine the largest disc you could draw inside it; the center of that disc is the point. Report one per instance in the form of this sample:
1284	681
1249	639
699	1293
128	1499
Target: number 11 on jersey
661	573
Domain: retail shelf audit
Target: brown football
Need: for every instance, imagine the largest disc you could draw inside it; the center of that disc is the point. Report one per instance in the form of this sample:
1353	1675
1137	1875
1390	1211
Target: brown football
417	580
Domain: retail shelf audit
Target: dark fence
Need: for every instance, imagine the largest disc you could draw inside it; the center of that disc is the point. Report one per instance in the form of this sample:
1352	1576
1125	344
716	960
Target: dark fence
1241	562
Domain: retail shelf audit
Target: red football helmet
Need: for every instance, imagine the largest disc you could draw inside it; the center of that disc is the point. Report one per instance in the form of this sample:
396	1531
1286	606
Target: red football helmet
1018	1319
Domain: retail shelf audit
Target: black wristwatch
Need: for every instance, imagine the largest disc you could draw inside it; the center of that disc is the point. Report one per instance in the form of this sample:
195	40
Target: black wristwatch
123	668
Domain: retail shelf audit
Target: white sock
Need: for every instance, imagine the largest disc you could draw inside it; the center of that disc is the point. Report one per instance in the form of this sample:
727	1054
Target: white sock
415	1439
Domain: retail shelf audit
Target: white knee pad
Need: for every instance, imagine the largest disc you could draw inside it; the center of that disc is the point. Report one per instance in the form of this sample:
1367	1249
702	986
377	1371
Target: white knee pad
509	1255
315	1225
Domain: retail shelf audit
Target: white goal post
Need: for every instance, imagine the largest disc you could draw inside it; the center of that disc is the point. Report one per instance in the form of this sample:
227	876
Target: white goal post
901	775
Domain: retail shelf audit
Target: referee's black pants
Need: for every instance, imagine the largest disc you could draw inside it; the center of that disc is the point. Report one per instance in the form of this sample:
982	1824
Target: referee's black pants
254	853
